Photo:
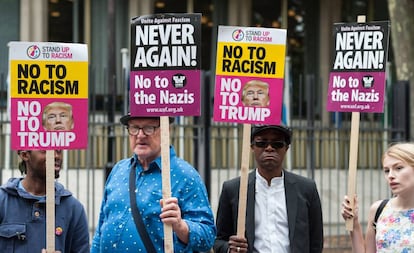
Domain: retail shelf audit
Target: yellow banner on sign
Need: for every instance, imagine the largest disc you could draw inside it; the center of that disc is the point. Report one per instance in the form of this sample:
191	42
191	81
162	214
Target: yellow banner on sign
243	59
49	79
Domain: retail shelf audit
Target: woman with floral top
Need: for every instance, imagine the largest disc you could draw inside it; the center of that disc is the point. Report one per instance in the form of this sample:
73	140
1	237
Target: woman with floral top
394	229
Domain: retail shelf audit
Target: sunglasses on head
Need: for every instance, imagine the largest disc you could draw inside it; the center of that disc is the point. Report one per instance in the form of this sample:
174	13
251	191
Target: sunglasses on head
274	144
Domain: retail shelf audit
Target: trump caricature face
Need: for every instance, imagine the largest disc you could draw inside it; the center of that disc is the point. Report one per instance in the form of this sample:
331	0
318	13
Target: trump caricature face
256	93
57	116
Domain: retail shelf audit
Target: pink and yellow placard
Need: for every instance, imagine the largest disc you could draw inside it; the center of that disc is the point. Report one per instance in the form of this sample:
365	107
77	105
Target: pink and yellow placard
48	95
249	75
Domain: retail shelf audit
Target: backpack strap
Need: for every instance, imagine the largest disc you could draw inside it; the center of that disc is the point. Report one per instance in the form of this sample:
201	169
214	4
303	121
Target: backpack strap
379	211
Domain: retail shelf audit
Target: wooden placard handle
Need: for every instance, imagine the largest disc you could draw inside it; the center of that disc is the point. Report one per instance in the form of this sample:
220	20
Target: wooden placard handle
50	200
165	173
353	156
244	173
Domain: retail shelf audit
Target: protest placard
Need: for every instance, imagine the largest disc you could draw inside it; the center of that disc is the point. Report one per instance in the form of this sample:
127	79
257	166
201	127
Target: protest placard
357	80
49	106
49	95
249	87
165	78
357	77
249	75
165	65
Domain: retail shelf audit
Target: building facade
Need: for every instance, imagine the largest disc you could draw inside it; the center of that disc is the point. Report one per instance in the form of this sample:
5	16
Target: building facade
320	147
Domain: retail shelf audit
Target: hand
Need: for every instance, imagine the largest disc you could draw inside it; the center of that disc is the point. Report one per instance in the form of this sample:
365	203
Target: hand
347	212
171	215
237	244
170	212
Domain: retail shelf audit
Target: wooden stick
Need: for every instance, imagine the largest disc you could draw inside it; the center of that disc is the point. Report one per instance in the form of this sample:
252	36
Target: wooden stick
165	173
353	156
50	200
244	173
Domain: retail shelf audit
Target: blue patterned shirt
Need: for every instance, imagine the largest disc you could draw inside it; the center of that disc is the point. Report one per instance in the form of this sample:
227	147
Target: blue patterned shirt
116	231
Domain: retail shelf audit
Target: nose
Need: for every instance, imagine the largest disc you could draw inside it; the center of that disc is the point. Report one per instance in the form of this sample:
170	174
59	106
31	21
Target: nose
58	153
140	131
58	118
391	173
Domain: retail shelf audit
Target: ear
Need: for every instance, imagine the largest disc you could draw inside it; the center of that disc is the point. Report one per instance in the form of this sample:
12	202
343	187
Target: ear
24	155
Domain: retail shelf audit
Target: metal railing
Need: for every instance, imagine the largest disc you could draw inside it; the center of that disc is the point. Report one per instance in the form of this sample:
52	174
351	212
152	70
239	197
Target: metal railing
319	153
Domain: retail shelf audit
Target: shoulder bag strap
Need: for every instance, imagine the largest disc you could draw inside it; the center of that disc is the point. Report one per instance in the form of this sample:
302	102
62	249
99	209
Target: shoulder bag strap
135	213
378	212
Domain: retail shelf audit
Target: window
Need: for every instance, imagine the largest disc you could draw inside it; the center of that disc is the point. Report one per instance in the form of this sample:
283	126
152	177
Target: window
205	8
61	21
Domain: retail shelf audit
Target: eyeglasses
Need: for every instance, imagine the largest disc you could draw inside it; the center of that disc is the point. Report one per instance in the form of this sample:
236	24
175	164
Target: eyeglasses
148	130
274	144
